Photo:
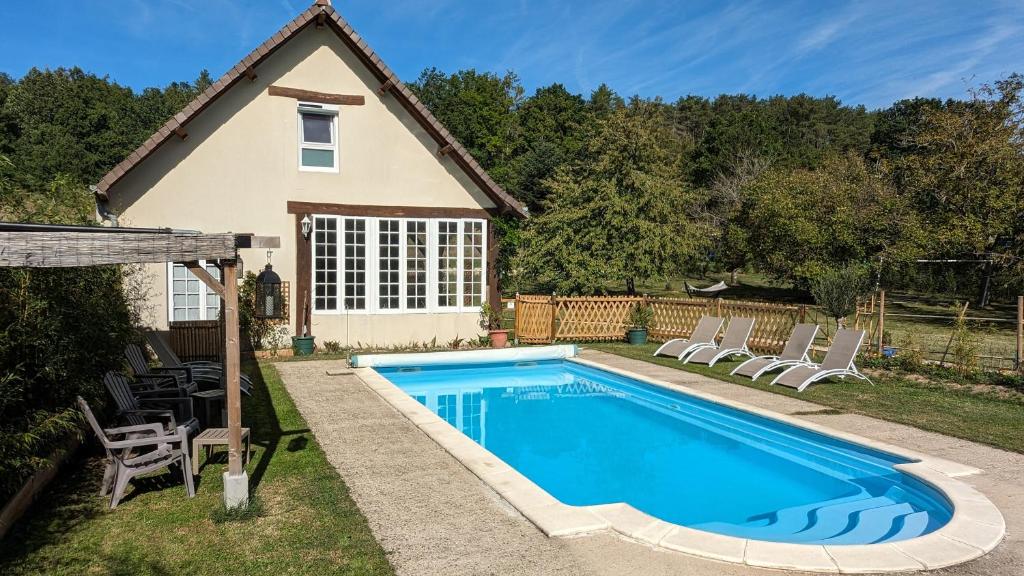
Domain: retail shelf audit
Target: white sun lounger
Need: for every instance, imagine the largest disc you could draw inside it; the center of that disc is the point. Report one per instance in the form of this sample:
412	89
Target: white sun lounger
734	343
838	362
793	354
703	335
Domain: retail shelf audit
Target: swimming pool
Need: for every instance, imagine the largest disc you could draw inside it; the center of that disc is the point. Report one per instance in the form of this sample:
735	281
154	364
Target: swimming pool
591	437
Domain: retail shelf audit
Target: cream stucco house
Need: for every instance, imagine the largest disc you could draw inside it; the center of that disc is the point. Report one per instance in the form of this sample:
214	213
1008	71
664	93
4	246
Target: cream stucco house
313	126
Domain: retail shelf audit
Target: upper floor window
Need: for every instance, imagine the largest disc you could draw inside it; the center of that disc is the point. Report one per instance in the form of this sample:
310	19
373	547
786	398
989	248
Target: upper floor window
318	137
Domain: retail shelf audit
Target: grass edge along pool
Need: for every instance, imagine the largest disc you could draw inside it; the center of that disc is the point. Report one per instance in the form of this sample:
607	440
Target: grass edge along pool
677	457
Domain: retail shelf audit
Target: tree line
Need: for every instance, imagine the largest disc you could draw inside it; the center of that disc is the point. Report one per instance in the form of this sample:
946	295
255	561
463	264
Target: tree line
625	190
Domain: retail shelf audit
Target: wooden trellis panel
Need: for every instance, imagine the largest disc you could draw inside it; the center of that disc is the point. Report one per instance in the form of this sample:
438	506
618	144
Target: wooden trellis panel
593	318
544	319
535	319
773	323
677	317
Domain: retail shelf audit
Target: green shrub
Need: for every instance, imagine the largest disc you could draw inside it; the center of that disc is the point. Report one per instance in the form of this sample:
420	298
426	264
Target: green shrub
256	329
60	330
964	349
836	290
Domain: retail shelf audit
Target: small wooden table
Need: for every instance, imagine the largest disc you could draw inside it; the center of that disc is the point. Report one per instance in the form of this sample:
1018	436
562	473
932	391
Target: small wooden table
213	437
211	402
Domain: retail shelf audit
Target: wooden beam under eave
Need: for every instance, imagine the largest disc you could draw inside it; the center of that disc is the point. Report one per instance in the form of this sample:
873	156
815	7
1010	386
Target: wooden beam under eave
318	97
445	150
385	211
250	74
180	132
385	87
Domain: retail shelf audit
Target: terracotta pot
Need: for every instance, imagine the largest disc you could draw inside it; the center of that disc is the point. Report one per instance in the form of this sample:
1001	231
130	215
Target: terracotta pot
499	338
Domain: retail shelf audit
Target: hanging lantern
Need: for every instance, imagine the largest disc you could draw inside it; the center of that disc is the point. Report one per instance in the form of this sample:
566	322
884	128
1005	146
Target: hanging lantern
269	298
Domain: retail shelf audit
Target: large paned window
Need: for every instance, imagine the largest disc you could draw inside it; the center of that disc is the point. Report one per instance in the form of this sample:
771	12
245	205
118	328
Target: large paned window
473	263
189	298
416	264
382	265
389	244
325	263
355	264
447	263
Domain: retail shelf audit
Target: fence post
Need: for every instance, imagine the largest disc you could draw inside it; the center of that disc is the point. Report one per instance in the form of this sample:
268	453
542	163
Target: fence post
554	316
881	319
515	318
1020	333
718	307
802	314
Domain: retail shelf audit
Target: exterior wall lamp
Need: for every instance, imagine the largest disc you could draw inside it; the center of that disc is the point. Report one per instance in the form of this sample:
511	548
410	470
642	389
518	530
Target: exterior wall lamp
307	226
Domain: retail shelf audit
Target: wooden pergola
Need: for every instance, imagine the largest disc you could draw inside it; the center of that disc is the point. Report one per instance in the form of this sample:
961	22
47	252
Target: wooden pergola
57	246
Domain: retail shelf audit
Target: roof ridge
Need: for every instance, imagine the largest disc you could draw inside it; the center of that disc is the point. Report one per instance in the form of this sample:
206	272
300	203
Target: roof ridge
321	12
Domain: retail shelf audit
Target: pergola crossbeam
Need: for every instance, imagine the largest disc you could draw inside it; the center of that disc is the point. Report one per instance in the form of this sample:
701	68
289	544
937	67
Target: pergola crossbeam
38	249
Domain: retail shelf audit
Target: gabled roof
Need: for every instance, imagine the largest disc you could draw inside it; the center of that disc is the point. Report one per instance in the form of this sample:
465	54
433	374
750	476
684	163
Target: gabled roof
321	13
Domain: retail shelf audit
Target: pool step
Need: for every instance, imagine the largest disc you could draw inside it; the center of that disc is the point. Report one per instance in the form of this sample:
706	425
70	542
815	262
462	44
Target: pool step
852	520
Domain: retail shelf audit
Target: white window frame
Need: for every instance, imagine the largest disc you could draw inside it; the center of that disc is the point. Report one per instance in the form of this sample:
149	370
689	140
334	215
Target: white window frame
204	293
323	110
372	256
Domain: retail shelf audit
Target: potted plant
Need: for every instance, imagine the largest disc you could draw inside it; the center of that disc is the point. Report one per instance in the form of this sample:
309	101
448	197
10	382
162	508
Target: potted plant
304	345
639	319
490	320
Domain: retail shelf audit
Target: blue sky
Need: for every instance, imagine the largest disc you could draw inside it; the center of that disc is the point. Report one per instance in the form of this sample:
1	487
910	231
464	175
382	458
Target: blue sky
870	52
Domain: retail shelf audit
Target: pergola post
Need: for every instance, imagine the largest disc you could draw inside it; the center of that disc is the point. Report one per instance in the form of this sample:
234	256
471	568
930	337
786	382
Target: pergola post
236	481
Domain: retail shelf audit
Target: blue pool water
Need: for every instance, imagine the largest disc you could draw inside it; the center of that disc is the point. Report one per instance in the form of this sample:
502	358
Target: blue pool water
593	437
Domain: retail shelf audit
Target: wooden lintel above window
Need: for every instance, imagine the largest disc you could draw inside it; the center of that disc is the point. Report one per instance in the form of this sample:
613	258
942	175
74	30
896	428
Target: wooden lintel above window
386	211
318	97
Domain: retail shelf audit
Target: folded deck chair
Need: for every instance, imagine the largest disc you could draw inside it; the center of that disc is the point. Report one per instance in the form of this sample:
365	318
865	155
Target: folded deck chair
136	450
838	362
709	291
734	343
794	353
703	335
139	406
162	377
207	374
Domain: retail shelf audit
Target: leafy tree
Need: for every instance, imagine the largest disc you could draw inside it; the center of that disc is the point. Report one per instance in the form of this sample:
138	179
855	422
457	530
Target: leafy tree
551	129
617	214
965	171
480	111
797	222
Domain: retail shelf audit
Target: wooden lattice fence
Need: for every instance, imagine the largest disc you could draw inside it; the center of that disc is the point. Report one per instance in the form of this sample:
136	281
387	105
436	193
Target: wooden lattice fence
545	319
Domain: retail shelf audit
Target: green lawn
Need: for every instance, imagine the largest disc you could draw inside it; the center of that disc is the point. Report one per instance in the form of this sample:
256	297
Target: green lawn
982	416
310	524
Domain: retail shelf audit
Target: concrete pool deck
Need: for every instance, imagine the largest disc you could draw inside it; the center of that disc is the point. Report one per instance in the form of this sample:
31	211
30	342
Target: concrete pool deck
436	517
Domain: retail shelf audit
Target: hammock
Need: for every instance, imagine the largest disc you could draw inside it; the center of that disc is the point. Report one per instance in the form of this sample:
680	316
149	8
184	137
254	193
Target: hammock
709	291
